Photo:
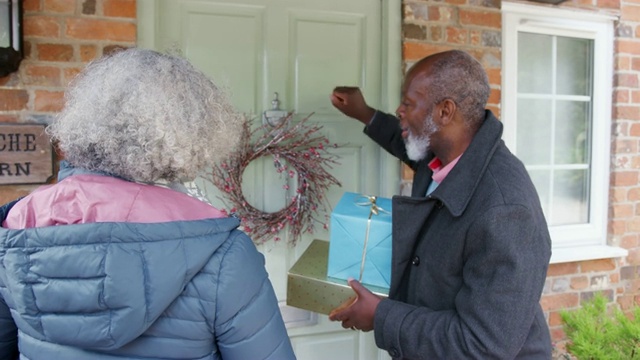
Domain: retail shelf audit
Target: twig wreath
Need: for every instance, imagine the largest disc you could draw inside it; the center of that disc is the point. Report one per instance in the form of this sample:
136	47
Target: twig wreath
297	150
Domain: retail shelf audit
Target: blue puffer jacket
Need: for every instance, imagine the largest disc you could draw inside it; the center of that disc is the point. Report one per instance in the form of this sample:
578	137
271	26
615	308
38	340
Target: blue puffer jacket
112	290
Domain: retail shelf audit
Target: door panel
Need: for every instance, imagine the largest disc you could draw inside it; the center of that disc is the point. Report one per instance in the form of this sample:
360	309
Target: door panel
301	49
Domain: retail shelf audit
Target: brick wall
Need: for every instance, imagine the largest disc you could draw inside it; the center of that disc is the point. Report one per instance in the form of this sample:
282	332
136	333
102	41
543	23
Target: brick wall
60	37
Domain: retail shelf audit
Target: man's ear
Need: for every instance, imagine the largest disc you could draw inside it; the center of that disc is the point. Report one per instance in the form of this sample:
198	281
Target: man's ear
445	111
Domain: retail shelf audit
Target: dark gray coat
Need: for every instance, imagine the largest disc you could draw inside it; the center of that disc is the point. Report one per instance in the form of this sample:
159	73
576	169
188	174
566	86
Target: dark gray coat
469	260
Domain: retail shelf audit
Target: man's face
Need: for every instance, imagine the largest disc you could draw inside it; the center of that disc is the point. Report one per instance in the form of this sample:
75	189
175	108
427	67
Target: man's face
416	120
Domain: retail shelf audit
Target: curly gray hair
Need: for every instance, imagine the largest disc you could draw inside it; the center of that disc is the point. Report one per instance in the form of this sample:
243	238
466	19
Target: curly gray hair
145	116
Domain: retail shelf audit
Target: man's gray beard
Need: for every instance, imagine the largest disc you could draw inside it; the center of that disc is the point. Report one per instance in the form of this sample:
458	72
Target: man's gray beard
418	146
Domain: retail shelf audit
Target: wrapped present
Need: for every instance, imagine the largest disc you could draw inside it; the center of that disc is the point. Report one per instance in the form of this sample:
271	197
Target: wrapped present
309	288
360	240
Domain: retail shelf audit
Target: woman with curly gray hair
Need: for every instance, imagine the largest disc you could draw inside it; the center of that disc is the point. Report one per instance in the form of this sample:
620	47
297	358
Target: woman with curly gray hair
119	259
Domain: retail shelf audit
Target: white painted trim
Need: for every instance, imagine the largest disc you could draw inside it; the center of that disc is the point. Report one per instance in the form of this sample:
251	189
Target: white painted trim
391	179
147	23
583	253
585	241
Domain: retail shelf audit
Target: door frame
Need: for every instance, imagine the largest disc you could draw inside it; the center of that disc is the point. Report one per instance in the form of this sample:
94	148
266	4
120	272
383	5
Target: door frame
391	57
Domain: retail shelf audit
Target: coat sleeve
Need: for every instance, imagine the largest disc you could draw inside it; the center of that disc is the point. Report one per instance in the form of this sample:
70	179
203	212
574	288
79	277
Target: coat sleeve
248	321
505	265
385	130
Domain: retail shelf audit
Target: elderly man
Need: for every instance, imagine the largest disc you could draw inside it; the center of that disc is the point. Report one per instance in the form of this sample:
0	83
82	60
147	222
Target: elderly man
470	246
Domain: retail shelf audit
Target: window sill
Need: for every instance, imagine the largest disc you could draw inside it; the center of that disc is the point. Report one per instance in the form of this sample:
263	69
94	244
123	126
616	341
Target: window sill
583	253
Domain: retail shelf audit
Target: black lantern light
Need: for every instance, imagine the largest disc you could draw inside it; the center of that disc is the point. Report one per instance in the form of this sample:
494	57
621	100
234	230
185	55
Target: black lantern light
10	36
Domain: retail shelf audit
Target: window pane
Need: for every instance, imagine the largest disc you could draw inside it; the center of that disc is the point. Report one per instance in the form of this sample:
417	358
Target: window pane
574	66
570	197
534	63
5	39
540	180
573	130
534	131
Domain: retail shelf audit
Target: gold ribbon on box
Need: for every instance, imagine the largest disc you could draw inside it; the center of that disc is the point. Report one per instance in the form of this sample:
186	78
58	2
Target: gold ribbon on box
374	210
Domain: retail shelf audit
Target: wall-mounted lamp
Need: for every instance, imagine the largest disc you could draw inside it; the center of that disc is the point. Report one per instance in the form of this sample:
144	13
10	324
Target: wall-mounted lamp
10	36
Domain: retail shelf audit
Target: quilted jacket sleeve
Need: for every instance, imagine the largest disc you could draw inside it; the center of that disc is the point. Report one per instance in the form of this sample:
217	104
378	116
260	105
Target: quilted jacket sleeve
248	321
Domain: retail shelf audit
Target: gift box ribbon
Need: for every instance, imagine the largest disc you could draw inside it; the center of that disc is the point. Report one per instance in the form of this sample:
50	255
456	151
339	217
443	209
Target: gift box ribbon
374	210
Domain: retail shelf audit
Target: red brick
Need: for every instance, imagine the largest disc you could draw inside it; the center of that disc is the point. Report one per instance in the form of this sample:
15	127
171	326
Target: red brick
456	2
31	5
621	96
491	19
633	225
554	318
60	6
622	62
70	73
120	8
495	76
51	101
559	301
456	35
629	12
622	211
625	146
13	99
628	46
436	33
4	118
92	29
617	227
629	241
88	52
624	178
562	269
415	51
626	79
635	96
617	195
41	75
55	52
626	112
557	334
41	26
579	282
597	265
494	96
440	13
634	129
475	37
634	257
609	4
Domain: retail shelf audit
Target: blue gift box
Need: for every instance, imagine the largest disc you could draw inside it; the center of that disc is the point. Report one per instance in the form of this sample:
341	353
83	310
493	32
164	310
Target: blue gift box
350	229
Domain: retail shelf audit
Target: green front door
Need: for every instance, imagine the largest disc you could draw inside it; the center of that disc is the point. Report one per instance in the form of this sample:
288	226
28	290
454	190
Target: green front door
300	49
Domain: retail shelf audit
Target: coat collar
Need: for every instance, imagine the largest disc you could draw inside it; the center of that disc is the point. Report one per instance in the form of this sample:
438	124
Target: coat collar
456	190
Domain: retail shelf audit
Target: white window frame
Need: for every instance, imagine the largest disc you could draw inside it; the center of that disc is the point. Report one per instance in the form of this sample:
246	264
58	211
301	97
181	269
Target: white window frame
583	241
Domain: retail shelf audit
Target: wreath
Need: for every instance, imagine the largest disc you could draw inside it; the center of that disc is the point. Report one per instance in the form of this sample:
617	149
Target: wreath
298	150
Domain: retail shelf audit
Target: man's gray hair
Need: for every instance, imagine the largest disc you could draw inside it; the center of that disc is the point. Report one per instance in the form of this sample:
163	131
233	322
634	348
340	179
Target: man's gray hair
145	116
460	77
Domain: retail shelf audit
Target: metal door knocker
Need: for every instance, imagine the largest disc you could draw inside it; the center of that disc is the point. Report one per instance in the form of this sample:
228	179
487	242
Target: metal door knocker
274	116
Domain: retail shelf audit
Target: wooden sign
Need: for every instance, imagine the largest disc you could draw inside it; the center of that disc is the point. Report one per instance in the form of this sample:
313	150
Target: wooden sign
26	156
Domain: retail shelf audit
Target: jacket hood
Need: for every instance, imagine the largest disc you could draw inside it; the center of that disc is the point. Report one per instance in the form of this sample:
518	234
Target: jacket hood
101	285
